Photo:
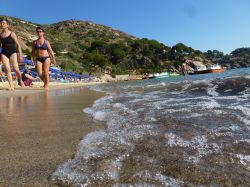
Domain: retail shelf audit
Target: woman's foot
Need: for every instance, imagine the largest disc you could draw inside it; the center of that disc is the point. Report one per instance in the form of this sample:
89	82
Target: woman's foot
20	83
11	89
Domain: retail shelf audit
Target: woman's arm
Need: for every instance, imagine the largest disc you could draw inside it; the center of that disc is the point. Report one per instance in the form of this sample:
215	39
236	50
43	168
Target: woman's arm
51	53
14	37
31	78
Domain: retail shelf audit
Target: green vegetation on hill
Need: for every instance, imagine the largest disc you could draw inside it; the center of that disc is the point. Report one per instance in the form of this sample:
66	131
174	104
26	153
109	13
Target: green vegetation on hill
239	58
85	47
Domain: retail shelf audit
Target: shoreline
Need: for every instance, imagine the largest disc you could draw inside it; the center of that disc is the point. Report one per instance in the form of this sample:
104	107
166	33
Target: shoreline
40	130
38	88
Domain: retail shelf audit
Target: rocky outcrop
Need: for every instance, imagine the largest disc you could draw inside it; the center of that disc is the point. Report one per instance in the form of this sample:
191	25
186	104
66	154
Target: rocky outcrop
197	62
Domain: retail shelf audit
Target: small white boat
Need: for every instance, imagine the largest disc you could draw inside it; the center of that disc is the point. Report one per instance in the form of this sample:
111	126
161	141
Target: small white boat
161	75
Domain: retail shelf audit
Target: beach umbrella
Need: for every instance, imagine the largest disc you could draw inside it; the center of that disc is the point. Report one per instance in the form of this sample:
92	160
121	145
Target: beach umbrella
86	76
33	73
26	61
55	70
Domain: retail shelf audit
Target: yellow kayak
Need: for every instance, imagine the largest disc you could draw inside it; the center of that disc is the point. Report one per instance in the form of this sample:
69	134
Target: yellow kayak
174	74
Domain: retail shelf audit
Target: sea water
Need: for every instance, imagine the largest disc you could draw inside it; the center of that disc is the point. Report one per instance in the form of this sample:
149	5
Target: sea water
176	131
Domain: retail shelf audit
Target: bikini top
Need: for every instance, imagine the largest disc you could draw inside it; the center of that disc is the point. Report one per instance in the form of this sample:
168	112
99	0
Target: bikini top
42	47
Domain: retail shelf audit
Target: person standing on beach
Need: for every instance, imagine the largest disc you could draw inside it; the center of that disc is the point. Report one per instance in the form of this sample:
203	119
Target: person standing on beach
10	45
183	68
41	49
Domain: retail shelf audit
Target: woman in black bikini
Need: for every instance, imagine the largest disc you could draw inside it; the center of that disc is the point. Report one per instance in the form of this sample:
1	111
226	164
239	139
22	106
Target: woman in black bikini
43	52
9	43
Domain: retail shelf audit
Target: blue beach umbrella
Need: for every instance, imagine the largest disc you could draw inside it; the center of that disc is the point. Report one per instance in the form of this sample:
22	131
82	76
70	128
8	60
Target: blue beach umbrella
55	70
26	61
86	76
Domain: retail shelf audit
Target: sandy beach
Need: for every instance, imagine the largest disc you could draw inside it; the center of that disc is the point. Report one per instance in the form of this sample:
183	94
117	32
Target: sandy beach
40	130
38	87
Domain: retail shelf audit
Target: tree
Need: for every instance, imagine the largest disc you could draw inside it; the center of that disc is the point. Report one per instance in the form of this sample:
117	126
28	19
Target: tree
117	53
94	58
99	45
214	55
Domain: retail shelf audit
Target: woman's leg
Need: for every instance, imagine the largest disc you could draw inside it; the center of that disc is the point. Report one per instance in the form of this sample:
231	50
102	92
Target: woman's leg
6	64
46	66
39	67
13	61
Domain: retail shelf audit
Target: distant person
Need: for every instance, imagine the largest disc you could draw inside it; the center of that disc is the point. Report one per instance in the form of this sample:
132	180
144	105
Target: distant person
44	54
183	68
27	78
63	76
10	45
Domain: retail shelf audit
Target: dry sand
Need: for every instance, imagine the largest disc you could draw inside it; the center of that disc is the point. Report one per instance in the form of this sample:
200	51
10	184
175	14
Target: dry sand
40	131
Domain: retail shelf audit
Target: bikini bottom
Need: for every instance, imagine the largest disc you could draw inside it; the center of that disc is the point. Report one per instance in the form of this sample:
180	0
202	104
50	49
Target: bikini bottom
42	59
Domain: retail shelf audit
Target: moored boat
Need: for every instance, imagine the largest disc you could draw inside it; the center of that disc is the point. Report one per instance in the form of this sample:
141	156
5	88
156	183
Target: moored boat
215	69
139	77
161	75
211	69
173	74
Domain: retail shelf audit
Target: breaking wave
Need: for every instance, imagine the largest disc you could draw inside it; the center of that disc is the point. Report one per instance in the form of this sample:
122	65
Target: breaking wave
191	130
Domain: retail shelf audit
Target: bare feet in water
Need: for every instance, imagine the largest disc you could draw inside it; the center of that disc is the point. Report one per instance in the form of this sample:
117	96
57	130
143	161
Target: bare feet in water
11	89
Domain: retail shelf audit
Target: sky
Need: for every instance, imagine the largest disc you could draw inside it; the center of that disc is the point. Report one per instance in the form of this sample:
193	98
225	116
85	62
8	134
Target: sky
222	25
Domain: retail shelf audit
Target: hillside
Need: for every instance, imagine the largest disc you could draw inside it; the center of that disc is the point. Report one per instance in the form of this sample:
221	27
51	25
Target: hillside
239	58
85	47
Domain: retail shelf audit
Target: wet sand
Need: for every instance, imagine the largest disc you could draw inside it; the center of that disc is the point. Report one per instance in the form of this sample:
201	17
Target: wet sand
40	131
38	87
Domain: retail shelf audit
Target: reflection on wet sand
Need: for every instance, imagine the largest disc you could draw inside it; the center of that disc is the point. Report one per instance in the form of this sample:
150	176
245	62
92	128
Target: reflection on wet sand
21	108
41	111
40	131
38	108
16	108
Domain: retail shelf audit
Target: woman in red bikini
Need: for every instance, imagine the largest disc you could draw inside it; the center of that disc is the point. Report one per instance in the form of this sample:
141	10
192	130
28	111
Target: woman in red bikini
10	45
43	52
